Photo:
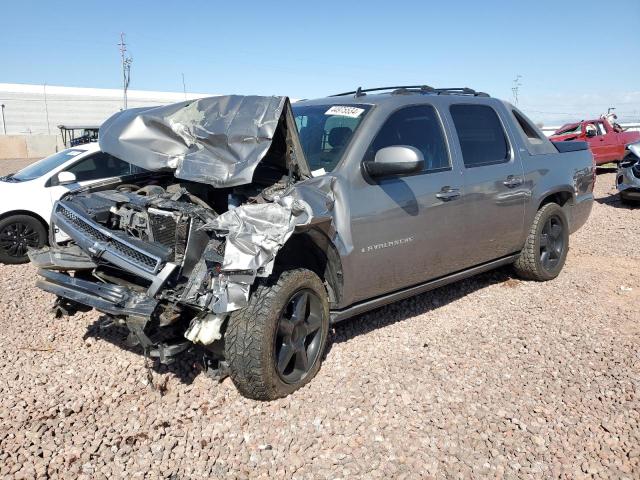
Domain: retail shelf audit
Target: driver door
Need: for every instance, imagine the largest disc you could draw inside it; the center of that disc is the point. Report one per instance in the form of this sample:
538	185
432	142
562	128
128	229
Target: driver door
596	141
408	229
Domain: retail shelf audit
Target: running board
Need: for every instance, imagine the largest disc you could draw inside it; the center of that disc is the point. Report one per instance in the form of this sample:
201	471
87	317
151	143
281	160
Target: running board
339	315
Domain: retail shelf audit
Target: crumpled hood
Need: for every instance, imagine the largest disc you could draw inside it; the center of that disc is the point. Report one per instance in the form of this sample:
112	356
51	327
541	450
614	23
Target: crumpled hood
216	140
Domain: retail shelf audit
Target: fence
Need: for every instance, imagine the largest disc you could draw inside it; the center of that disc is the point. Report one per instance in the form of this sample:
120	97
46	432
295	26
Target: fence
634	127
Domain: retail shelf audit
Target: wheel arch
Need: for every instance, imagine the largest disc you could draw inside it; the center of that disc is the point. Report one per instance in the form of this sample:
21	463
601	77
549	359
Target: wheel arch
314	250
561	196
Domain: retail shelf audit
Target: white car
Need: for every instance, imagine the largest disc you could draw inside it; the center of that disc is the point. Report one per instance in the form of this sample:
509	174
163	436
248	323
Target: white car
27	197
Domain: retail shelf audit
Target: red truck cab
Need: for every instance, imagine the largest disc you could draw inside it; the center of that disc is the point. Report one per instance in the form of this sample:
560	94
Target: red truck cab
607	142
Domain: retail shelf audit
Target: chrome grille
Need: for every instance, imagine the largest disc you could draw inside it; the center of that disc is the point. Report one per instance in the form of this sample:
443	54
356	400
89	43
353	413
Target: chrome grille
137	257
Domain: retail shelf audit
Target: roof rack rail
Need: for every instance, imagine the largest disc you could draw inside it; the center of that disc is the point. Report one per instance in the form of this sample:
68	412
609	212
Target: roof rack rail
361	91
403	89
461	91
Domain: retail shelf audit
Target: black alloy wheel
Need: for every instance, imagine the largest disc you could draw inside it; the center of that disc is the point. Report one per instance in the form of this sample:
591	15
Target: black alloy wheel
552	243
546	246
299	336
275	344
17	234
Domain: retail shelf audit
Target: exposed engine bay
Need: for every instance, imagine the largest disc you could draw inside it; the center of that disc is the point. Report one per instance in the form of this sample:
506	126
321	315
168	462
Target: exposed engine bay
172	252
169	243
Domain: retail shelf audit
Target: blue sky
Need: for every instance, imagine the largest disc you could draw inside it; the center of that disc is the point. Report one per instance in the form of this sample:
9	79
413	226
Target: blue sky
575	58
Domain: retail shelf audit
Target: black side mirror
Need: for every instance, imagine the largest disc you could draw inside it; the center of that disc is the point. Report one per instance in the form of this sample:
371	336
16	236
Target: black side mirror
396	160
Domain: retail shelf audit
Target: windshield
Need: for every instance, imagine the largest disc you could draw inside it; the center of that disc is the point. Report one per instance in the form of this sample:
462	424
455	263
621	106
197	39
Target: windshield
325	131
45	165
576	128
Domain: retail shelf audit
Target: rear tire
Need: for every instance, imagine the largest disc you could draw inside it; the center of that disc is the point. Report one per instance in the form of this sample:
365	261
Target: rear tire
546	247
275	344
17	232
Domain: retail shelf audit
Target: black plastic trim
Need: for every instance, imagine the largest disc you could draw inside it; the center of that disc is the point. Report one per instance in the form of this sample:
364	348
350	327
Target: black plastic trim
362	307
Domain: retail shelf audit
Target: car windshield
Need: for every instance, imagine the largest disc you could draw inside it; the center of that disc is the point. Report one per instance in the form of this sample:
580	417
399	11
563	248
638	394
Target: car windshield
325	131
45	165
576	128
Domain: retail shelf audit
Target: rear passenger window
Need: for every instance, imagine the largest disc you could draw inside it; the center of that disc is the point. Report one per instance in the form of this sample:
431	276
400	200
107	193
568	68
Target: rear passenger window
482	138
416	126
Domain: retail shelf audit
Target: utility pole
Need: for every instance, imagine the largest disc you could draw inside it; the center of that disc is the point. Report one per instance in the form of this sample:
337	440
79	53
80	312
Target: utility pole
4	124
126	70
184	87
46	108
516	87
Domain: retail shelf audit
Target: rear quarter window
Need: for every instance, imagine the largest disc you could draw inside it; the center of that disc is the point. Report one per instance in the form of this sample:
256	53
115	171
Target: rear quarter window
532	137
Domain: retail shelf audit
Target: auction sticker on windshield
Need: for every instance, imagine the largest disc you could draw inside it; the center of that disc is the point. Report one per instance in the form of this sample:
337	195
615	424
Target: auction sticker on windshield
345	111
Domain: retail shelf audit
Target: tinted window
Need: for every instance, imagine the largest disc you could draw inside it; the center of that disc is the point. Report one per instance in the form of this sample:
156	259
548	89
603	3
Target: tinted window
417	126
100	165
481	136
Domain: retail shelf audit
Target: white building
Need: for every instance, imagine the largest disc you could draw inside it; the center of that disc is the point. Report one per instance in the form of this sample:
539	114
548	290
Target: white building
39	109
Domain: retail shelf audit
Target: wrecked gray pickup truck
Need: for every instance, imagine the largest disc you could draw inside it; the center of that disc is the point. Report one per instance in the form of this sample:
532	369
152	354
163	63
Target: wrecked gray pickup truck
259	223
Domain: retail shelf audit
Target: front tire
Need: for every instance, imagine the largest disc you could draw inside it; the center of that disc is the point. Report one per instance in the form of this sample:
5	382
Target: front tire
546	247
17	233
274	345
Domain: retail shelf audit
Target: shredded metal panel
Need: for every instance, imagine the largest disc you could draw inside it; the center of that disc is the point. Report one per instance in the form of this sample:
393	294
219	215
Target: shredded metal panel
216	140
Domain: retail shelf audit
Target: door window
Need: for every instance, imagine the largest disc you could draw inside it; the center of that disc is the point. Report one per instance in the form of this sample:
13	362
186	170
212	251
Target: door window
419	127
99	165
482	138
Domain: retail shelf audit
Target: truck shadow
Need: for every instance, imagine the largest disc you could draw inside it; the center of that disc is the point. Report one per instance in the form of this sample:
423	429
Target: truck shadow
188	365
417	305
613	200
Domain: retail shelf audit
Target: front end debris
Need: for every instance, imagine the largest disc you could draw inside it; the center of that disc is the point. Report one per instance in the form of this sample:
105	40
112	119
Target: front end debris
171	255
628	175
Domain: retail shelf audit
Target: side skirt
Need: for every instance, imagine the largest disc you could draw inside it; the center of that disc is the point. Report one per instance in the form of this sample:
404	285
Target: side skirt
358	308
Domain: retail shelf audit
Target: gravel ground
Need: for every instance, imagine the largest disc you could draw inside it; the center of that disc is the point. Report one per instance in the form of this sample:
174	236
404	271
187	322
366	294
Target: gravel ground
491	377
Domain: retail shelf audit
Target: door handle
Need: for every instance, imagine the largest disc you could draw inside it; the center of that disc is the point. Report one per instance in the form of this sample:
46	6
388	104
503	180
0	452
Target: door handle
448	193
513	181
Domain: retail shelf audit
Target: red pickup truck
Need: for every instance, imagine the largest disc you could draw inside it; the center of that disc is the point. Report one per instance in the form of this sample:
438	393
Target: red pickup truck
607	141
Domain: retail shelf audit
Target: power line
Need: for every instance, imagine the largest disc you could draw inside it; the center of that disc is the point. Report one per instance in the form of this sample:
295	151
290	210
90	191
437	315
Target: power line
516	87
126	69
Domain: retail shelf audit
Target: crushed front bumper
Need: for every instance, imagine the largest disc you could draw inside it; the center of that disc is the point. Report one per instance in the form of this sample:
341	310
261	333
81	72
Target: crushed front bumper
112	299
111	246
